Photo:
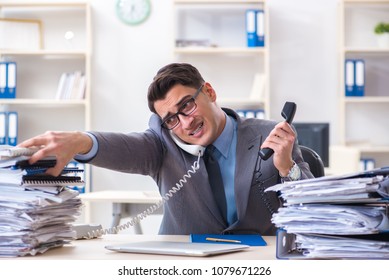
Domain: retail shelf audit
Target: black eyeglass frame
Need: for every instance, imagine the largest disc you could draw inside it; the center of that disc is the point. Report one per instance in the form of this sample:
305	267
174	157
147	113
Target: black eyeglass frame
179	112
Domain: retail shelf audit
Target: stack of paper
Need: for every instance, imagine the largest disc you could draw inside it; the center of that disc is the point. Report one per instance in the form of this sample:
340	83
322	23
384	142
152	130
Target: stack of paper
332	219
36	210
355	247
335	190
337	216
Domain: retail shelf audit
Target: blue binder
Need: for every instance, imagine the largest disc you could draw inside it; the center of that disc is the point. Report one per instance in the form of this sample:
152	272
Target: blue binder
241	113
260	28
249	114
251	28
12	133
3	79
359	77
11	80
3	128
349	77
367	164
7	79
255	28
260	114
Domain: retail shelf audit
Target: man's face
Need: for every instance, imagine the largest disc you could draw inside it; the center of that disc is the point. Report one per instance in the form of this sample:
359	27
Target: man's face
204	124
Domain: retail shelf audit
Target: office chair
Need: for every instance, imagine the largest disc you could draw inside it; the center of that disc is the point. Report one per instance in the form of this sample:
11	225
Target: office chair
314	160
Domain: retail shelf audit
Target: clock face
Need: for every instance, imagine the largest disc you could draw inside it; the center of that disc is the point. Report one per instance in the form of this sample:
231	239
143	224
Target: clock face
133	12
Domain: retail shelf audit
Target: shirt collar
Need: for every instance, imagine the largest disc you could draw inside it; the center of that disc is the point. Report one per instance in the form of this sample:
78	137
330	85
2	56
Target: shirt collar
223	142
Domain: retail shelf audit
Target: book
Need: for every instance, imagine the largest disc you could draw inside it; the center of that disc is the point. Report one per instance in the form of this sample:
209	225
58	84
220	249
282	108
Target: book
71	86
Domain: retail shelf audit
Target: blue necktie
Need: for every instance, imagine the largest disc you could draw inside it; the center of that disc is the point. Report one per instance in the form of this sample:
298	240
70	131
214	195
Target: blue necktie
215	180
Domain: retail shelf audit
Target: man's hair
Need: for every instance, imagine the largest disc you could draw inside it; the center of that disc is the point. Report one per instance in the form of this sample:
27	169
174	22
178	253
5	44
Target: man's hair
169	76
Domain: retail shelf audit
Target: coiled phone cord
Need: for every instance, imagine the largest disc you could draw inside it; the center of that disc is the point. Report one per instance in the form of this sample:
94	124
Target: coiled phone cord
150	210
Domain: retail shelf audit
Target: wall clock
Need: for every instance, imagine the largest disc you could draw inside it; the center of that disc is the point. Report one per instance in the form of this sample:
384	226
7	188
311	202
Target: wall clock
133	12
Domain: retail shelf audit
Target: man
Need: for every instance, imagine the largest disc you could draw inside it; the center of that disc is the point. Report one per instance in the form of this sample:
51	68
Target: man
185	111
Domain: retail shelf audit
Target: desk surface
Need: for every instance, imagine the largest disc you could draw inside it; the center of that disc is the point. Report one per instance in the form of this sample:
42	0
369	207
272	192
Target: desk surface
93	249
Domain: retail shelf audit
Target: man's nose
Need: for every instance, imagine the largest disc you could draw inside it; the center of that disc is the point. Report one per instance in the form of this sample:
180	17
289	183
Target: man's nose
185	121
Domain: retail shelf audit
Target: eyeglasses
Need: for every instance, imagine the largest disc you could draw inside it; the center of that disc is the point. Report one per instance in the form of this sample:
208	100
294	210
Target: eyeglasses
186	109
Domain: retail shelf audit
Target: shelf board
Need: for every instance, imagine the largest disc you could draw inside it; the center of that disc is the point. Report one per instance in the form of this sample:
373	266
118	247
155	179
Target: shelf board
240	102
367	1
371	50
43	4
370	149
42	102
367	99
210	50
48	53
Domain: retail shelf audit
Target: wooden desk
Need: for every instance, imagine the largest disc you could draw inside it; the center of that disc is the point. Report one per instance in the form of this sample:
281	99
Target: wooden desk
125	203
93	249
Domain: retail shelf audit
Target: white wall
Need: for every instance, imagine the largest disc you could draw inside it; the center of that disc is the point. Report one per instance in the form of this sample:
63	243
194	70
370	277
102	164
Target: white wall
125	60
303	58
303	67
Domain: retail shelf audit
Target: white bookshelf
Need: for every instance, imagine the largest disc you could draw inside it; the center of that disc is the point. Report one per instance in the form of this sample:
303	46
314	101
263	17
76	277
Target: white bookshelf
39	69
363	120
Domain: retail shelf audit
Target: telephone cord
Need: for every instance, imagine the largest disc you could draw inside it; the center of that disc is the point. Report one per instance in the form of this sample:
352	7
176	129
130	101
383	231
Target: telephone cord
151	209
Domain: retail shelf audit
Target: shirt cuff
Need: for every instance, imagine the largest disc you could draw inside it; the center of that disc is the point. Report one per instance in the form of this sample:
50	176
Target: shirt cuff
93	151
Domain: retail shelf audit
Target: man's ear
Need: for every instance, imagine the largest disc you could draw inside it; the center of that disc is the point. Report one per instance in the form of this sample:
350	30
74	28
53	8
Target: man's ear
210	92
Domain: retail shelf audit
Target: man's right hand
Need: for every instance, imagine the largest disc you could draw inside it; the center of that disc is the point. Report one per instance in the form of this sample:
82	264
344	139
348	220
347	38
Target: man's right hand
63	145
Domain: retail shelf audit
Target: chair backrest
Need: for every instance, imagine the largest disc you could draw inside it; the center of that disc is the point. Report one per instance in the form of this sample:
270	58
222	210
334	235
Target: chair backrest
314	160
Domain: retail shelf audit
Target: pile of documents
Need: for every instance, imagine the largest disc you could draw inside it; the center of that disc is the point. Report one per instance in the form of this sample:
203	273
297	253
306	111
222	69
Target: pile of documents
335	216
36	210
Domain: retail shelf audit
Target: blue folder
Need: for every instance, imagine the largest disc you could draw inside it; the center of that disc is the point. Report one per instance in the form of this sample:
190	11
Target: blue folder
255	28
354	77
11	80
251	28
359	77
12	128
349	77
3	128
246	239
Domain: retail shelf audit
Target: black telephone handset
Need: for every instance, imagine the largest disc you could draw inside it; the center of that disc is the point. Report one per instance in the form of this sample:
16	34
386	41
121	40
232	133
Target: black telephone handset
287	113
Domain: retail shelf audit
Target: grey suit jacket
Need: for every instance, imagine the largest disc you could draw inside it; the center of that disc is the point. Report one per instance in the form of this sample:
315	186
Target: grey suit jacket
193	209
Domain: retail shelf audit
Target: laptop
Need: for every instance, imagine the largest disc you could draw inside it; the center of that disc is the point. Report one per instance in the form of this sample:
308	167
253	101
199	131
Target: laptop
177	248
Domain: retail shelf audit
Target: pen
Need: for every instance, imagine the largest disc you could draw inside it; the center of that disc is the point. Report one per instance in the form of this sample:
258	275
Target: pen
222	240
